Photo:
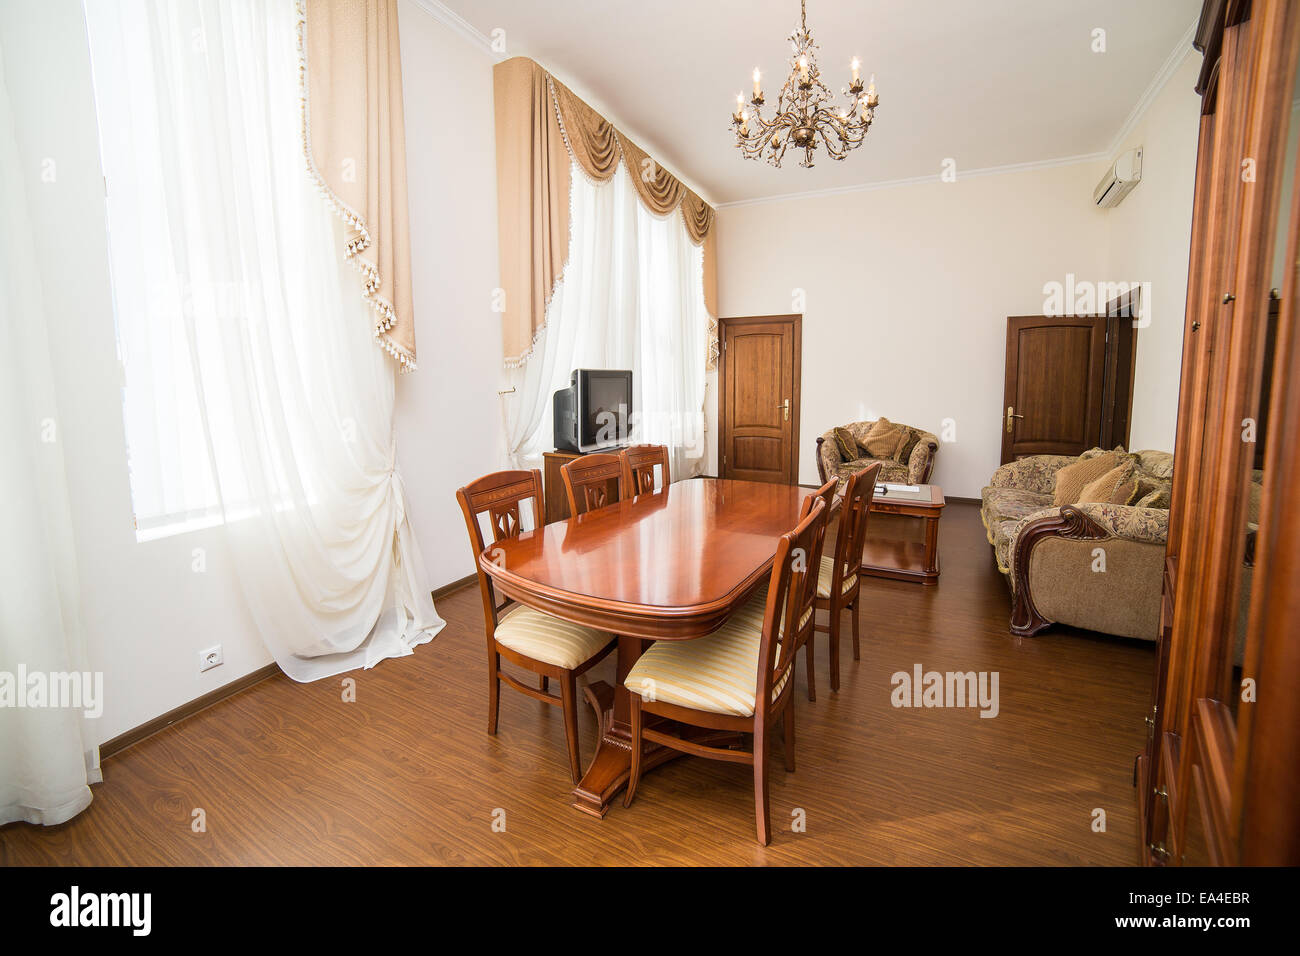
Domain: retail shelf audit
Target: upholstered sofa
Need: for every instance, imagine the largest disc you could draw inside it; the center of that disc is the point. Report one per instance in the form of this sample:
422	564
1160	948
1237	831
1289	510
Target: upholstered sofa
912	468
1049	555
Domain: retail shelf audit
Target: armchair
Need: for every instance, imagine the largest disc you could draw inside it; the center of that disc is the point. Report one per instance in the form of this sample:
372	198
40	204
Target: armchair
915	469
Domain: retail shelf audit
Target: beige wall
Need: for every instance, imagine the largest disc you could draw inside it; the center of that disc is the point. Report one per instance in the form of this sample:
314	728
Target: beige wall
907	294
1149	240
448	412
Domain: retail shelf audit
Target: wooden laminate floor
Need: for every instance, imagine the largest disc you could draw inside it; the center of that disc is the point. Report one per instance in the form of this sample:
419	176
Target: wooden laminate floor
289	773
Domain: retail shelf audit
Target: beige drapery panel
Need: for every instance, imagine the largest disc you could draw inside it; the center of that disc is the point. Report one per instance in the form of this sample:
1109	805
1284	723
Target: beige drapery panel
354	137
540	124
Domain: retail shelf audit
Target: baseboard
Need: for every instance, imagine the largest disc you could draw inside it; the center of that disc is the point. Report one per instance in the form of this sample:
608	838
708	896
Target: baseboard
455	586
111	748
964	501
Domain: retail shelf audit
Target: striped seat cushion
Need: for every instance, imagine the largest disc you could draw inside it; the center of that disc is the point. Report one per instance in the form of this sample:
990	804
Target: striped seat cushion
824	579
548	639
715	673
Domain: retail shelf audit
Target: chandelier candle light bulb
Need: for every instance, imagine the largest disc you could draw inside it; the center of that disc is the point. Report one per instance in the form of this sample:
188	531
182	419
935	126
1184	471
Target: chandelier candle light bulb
806	115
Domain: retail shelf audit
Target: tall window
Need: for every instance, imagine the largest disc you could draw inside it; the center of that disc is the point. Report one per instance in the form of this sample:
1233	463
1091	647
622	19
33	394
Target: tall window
163	83
632	296
253	387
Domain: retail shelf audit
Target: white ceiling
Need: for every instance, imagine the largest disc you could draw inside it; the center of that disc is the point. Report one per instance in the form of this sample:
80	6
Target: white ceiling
988	84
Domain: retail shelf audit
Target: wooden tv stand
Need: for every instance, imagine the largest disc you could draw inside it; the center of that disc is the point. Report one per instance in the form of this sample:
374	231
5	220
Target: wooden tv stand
556	504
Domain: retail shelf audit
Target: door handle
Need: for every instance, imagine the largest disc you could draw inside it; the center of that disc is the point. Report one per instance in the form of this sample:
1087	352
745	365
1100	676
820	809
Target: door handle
785	408
1011	409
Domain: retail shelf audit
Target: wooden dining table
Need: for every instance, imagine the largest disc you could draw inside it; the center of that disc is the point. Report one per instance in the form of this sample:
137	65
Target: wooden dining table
668	566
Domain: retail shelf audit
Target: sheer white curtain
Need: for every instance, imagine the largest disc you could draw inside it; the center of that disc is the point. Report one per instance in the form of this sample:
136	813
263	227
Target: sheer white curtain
674	339
251	376
48	754
632	296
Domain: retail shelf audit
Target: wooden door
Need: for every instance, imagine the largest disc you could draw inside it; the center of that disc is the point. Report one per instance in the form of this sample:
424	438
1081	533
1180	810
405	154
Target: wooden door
758	398
1055	372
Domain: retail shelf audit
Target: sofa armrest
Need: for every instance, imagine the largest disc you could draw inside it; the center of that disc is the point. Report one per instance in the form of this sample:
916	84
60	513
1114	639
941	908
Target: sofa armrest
920	465
828	456
1077	591
1148	525
1036	473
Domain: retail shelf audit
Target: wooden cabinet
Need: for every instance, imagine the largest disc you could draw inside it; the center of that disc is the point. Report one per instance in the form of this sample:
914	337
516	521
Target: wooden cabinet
1219	779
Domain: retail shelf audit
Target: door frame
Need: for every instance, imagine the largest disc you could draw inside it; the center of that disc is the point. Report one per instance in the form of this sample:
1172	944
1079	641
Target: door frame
723	323
1121	368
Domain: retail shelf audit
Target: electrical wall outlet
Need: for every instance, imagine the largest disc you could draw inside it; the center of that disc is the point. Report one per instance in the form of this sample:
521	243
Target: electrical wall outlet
211	658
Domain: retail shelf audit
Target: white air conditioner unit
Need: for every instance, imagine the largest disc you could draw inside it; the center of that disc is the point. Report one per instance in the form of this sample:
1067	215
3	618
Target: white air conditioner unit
1119	180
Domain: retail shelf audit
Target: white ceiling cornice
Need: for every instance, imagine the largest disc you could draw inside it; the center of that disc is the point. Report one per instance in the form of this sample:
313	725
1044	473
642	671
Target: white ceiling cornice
1181	51
450	18
917	180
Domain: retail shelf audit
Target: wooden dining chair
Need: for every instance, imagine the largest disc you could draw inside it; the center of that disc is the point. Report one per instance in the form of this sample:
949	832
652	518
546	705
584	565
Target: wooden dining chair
639	463
533	640
826	493
592	481
740	677
839	583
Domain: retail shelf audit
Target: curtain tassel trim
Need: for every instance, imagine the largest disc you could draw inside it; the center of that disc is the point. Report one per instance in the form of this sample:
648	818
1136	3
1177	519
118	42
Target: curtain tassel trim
383	309
521	360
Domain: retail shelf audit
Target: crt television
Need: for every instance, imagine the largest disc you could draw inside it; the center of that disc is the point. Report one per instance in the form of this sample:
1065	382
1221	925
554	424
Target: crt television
594	411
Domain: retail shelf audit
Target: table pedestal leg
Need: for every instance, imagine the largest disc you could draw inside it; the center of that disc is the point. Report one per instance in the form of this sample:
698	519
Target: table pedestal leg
610	768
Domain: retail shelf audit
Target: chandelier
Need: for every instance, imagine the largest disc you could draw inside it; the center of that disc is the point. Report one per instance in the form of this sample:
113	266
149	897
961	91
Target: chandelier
805	109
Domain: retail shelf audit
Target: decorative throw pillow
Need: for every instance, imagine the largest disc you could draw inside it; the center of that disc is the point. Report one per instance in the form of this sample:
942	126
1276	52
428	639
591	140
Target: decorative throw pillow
1098	452
1117	486
1156	498
1157	464
1071	479
883	439
1153	487
910	437
846	443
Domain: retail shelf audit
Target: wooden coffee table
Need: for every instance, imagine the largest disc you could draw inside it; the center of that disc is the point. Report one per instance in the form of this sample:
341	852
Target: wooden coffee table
892	552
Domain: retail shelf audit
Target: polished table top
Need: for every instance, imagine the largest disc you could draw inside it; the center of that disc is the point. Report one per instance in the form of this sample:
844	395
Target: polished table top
668	565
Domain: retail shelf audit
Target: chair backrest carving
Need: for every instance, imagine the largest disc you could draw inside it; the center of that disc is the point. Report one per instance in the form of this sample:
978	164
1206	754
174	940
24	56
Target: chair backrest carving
500	496
639	463
592	481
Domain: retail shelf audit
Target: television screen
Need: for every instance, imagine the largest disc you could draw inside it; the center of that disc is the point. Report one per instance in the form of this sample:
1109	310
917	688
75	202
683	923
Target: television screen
607	400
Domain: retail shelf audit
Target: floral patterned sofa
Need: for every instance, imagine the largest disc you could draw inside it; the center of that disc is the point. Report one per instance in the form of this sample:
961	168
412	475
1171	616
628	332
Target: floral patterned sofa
913	469
1049	554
